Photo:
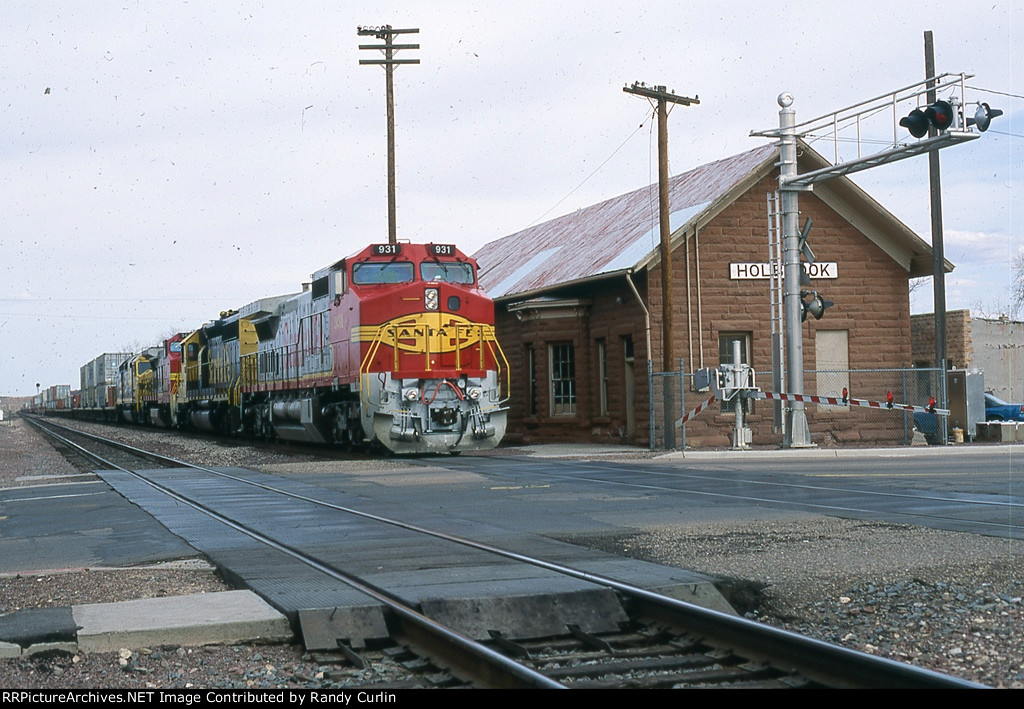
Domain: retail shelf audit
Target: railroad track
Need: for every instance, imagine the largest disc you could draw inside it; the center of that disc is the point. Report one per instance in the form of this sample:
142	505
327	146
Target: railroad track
662	642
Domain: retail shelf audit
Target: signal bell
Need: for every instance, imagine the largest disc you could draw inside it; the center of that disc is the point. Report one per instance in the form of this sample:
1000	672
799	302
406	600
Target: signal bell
816	306
983	117
939	115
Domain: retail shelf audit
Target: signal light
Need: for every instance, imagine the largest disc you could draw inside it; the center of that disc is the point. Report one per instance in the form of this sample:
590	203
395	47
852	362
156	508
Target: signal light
931	404
846	395
983	117
816	306
888	399
918	121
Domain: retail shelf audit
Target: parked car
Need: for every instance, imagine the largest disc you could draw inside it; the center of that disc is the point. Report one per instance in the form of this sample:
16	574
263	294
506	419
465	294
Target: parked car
998	410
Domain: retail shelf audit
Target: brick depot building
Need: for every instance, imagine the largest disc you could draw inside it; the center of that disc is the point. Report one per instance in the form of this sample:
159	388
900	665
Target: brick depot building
578	302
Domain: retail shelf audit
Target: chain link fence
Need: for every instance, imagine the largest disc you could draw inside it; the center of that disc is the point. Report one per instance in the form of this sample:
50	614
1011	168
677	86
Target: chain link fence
670	394
673	395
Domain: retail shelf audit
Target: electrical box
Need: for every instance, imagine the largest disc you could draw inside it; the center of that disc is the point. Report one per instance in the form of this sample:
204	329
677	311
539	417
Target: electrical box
965	392
702	379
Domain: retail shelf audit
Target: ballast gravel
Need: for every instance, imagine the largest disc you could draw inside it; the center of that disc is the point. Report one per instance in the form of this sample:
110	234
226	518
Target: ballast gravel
947	601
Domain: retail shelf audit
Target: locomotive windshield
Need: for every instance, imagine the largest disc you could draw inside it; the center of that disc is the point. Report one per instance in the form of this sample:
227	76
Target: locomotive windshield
452	272
375	272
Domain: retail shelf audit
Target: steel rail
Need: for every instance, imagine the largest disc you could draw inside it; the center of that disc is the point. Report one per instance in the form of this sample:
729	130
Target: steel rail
829	664
481	663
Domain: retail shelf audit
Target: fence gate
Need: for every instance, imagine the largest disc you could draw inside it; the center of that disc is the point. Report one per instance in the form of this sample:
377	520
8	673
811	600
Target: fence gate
667	405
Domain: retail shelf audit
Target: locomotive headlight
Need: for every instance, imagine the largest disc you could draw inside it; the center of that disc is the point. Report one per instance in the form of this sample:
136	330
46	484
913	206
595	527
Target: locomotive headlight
430	299
474	393
410	394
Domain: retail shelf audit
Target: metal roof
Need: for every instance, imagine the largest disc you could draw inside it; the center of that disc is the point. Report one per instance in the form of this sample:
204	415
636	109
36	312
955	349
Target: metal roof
611	236
622	233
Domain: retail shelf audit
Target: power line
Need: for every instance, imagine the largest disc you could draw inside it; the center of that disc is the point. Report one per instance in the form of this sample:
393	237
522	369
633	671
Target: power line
63	316
993	91
109	300
588	177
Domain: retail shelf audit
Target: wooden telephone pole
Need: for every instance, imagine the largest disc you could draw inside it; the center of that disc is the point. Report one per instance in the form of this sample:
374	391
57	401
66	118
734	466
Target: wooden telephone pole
387	34
663	98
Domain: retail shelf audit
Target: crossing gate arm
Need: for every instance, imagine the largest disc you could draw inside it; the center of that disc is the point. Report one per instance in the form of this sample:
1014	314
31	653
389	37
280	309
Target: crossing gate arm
693	412
839	401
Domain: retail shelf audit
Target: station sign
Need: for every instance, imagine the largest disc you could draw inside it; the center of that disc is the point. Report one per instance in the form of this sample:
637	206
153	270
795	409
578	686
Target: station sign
755	271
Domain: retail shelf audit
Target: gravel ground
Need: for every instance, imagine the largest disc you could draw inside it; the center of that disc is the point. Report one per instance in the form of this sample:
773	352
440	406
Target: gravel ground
947	601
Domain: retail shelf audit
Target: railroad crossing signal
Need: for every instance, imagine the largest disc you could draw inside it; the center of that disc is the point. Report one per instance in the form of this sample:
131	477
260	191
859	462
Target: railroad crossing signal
942	115
817	305
951	128
939	115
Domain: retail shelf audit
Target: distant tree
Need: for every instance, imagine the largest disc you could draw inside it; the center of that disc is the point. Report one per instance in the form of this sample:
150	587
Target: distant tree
916	284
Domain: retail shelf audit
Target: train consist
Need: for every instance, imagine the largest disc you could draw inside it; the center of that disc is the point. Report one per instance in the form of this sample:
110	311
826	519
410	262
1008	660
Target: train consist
393	345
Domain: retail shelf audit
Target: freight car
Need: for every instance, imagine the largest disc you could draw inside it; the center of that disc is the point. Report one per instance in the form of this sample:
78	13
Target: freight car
394	346
52	400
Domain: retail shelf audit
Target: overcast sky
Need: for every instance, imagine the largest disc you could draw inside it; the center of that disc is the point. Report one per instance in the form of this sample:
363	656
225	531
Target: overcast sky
164	161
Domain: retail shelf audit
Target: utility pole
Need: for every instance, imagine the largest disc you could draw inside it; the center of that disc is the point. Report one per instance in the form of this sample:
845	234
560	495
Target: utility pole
387	34
938	251
663	98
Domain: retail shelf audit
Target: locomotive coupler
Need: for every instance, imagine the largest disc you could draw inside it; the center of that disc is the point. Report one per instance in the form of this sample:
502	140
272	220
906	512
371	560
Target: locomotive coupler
446	416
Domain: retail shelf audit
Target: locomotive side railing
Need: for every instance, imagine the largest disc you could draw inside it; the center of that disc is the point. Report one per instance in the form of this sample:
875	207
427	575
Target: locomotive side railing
222	380
250	371
495	349
288	365
371	353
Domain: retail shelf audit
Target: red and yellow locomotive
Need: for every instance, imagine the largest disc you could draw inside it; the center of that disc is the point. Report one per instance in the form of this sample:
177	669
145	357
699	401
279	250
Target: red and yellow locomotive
395	344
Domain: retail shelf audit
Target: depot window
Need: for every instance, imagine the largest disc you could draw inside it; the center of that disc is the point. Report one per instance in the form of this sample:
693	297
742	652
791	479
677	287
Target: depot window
371	273
562	362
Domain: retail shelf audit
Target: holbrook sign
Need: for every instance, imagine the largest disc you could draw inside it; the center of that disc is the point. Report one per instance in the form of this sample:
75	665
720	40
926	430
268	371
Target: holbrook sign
753	271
